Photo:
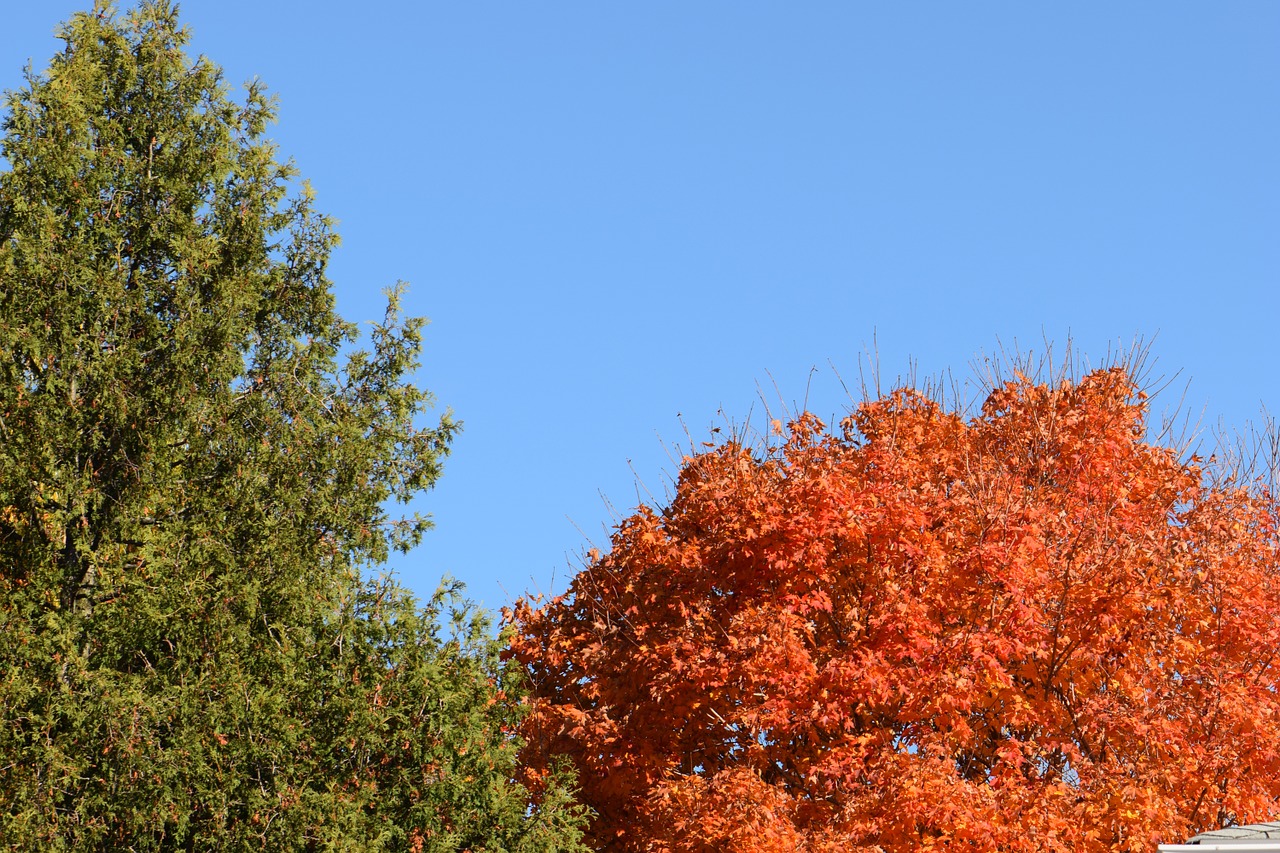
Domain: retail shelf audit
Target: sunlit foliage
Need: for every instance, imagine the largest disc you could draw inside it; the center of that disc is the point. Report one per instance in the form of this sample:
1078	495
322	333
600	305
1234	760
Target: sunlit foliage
195	461
1028	628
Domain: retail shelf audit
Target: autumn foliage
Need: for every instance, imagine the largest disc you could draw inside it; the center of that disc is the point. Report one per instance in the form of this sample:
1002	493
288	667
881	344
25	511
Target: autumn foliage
1028	629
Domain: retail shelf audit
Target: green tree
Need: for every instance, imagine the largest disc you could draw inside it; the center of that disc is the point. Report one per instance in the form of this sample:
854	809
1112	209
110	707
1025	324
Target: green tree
193	481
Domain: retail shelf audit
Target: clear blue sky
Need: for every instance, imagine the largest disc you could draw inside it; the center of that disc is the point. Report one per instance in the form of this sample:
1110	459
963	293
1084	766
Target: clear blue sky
616	214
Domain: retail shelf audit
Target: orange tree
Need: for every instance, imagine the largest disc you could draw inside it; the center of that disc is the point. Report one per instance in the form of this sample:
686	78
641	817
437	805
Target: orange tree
1029	629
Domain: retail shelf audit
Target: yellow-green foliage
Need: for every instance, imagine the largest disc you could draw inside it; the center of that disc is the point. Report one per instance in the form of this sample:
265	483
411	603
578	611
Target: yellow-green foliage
192	487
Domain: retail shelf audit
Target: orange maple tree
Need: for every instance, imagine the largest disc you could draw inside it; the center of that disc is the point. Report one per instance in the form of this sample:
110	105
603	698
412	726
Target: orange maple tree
1028	629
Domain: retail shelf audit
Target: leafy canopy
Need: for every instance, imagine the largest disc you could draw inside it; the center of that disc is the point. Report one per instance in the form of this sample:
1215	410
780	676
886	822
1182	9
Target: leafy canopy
193	482
1029	629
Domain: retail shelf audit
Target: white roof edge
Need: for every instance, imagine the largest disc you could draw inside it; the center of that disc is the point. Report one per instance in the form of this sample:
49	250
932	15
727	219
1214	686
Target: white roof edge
1243	846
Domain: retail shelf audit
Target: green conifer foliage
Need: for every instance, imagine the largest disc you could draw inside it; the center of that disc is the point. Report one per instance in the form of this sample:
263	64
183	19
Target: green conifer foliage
192	484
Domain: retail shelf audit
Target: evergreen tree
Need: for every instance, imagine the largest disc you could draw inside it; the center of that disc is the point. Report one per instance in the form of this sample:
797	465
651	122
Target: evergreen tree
193	481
